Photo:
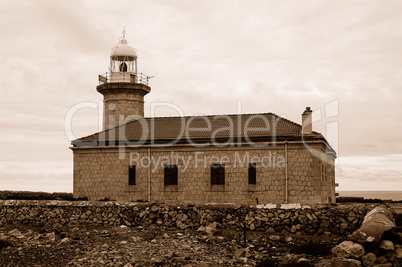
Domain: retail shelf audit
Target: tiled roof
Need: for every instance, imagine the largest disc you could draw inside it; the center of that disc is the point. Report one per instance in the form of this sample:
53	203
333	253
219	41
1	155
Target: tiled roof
200	128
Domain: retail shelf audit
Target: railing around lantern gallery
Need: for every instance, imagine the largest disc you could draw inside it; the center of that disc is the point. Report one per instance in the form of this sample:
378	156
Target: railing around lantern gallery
127	77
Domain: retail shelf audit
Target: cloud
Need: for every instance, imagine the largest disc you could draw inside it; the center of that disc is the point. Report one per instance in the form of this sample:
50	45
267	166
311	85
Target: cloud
48	176
370	172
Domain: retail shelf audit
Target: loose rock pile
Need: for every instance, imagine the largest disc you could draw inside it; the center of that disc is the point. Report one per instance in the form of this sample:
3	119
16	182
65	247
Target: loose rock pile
285	218
110	233
377	243
113	246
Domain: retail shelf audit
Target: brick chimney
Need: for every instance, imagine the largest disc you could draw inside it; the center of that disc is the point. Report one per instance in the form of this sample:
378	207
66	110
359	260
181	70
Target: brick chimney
307	126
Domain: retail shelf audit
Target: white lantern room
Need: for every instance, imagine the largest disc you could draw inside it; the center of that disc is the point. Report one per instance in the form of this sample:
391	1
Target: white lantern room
123	63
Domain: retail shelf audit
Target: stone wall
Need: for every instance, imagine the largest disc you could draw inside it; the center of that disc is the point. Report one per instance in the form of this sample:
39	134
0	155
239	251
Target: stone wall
281	218
102	173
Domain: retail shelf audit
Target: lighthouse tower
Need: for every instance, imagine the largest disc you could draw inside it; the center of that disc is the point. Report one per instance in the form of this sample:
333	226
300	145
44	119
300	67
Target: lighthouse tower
123	88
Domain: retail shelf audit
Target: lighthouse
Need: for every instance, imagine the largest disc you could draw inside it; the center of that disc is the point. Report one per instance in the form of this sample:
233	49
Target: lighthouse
123	87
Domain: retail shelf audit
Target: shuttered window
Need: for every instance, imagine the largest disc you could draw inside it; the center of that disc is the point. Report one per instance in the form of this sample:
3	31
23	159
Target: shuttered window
131	175
217	173
252	173
323	173
171	172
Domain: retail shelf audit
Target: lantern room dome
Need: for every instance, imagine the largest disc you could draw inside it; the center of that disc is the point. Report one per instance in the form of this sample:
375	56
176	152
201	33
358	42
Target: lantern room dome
123	51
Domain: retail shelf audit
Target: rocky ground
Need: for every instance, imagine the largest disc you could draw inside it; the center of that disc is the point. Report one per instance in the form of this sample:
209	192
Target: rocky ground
27	245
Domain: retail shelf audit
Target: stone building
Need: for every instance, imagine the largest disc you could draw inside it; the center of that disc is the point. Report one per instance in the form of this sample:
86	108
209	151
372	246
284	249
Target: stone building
240	158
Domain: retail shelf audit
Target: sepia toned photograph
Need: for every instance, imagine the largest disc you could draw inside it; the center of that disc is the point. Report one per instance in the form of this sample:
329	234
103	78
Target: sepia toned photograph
201	133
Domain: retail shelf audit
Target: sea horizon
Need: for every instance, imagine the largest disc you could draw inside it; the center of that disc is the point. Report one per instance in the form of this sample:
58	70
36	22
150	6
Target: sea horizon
379	194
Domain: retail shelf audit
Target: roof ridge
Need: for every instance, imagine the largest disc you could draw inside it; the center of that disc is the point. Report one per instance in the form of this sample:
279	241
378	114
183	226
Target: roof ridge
145	118
190	116
285	119
266	113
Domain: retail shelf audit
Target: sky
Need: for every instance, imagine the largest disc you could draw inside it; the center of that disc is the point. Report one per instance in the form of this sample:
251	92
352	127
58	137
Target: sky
342	58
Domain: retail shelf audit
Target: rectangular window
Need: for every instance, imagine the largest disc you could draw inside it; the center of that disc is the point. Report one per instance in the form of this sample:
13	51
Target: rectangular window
217	173
131	175
322	172
171	172
252	173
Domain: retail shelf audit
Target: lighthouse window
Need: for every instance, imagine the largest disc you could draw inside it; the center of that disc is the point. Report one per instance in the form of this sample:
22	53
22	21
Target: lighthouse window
123	67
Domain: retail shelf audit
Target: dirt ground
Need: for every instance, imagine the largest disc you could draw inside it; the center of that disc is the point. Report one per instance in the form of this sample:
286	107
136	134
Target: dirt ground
26	245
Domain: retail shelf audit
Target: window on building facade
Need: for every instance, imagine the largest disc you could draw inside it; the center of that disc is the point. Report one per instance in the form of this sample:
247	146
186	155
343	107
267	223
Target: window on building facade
217	173
322	172
131	175
252	173
171	172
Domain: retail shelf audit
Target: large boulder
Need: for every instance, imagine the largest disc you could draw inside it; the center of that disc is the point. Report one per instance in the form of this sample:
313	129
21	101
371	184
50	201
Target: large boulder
348	249
375	223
